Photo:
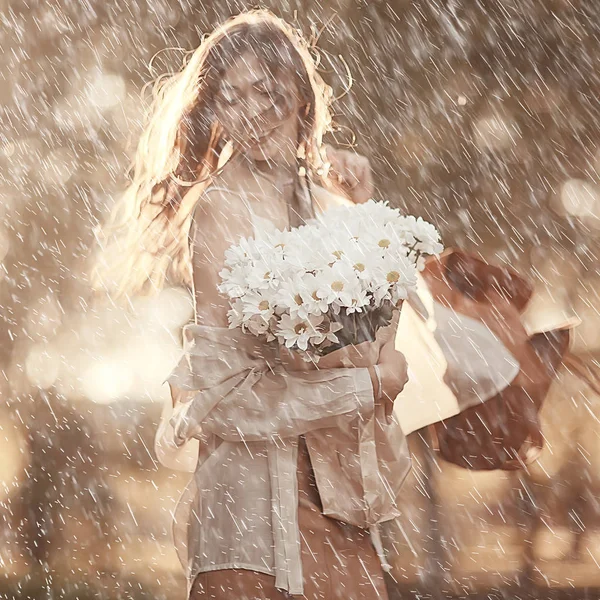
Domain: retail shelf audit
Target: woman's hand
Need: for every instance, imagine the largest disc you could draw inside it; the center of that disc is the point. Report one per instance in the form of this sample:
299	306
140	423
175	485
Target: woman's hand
350	174
293	361
393	369
364	354
360	355
179	395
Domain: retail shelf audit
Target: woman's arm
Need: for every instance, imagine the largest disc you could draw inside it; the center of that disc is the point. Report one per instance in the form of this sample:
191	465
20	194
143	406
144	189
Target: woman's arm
241	391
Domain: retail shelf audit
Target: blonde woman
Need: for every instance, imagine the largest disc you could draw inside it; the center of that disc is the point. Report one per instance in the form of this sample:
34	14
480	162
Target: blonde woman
234	146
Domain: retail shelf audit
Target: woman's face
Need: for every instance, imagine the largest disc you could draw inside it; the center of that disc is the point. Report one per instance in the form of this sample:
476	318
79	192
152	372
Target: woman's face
259	112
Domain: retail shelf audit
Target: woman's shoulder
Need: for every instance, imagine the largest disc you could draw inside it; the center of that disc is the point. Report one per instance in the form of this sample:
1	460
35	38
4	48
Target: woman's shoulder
219	207
230	179
325	199
226	186
217	196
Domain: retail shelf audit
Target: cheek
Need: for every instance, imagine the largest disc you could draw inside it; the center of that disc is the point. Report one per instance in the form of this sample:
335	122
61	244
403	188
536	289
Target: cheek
230	118
230	122
289	128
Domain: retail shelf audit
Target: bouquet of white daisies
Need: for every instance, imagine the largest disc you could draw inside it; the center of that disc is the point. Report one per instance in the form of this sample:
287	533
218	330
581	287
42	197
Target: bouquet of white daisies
330	283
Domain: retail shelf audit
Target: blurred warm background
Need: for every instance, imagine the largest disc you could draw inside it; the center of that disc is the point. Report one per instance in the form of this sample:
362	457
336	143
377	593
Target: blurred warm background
480	115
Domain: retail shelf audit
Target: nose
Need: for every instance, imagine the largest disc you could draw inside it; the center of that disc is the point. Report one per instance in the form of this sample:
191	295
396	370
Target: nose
254	109
253	123
255	114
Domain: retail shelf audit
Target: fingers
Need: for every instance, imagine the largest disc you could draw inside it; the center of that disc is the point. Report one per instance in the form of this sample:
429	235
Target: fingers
394	376
351	173
333	359
390	354
364	190
347	167
387	333
397	369
359	167
349	170
179	395
338	166
354	355
367	182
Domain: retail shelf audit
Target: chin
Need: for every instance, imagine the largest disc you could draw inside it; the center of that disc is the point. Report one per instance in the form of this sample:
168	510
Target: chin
272	152
263	152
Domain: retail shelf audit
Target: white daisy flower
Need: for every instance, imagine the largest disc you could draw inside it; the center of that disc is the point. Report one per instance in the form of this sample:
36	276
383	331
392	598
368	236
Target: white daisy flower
241	253
293	331
258	303
295	295
359	300
399	273
235	315
235	281
419	231
265	273
338	284
326	331
257	325
288	285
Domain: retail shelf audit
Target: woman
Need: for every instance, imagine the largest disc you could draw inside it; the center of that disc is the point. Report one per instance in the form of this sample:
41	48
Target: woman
233	143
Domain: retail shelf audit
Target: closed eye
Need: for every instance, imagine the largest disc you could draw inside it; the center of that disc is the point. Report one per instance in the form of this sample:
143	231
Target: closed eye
266	93
232	101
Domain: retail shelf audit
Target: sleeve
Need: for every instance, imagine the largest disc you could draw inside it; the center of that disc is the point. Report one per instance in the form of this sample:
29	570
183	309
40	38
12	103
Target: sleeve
243	393
177	457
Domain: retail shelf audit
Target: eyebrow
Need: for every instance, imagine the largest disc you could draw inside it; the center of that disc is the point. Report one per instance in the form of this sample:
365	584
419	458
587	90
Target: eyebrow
236	88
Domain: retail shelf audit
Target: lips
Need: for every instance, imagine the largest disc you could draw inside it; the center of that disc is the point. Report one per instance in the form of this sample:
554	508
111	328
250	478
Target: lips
263	137
257	140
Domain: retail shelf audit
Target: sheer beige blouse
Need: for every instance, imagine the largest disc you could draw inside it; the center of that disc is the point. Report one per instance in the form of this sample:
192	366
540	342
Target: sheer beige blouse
236	424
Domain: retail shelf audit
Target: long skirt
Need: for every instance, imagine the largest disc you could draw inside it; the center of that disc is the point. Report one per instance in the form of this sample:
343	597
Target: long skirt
339	561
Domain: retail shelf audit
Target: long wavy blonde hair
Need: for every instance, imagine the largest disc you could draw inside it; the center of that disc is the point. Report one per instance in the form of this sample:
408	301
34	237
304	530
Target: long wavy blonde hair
144	243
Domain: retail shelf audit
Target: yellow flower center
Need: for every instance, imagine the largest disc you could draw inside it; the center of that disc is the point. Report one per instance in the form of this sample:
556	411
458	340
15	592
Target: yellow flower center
338	253
264	305
314	295
337	286
384	243
267	275
359	267
298	299
393	276
300	328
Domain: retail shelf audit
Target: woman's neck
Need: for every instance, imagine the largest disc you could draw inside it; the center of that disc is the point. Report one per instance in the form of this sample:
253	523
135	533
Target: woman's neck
279	173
